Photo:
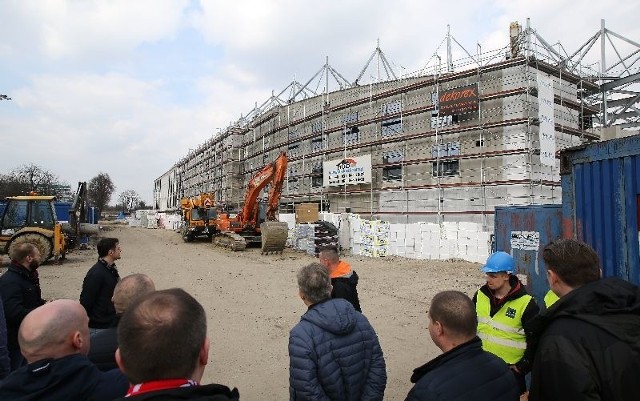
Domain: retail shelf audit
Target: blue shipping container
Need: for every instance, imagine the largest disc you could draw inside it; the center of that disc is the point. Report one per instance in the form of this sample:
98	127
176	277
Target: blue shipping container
93	215
62	210
601	202
523	231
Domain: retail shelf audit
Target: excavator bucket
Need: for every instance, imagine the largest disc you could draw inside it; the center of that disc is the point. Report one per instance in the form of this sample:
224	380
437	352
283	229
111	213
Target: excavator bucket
274	236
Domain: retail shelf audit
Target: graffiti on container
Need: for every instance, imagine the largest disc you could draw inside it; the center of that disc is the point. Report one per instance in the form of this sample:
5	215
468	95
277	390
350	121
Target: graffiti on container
525	240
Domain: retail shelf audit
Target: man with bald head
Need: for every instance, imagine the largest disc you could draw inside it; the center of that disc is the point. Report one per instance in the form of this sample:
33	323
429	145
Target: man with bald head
105	342
54	340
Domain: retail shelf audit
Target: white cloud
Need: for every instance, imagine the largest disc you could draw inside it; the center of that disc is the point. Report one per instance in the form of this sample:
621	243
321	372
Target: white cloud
100	86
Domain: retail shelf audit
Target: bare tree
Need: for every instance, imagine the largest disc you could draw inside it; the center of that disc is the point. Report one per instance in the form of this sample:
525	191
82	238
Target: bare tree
100	190
10	186
31	178
36	178
129	199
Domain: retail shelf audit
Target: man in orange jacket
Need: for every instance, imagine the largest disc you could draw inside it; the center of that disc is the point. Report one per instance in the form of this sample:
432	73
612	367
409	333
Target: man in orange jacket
343	279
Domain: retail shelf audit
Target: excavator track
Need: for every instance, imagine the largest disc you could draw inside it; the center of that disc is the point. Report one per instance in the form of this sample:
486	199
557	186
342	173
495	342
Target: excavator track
274	236
229	240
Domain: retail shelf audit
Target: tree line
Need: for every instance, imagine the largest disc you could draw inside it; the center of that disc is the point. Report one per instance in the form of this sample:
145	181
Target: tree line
31	178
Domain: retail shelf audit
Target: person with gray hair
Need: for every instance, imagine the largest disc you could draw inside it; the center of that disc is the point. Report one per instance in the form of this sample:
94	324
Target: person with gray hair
588	341
54	339
334	353
464	371
105	342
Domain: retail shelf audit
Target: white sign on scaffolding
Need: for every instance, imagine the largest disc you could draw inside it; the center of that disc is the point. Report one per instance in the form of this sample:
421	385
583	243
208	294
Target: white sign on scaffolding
347	171
547	129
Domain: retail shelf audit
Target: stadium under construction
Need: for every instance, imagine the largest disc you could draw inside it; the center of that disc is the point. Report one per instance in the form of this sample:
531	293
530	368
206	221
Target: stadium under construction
448	143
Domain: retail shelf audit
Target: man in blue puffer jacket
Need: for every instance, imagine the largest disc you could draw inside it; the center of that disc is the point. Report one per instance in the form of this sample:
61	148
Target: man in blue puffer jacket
334	352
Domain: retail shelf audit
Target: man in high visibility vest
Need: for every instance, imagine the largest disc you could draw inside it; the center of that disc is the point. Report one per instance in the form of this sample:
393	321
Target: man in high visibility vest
550	298
503	306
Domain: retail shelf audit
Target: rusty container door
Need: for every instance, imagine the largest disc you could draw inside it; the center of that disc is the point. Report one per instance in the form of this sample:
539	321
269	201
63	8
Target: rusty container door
523	231
601	197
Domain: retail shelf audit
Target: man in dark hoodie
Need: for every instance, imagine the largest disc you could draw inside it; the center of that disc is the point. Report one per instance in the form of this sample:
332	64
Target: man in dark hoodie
588	342
54	340
105	343
464	371
164	349
503	306
343	279
334	353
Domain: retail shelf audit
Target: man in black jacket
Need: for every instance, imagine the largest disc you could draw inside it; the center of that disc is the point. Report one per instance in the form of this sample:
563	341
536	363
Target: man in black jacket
164	349
343	279
5	363
464	371
20	292
54	339
105	342
98	286
588	342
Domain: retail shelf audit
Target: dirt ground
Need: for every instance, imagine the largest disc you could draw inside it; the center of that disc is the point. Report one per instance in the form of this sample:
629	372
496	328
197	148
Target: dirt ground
252	302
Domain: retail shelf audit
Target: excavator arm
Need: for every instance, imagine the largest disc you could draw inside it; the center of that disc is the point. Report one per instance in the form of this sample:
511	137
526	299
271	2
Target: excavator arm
274	172
280	166
273	234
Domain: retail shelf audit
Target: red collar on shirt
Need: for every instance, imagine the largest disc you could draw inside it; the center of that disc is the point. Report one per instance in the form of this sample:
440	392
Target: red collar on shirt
157	385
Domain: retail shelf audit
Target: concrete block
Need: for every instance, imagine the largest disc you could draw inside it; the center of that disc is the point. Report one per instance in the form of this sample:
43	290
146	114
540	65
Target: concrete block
413	230
467	226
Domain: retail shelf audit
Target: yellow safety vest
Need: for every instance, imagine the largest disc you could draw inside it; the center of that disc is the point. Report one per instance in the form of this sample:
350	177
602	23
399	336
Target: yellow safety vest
550	298
502	334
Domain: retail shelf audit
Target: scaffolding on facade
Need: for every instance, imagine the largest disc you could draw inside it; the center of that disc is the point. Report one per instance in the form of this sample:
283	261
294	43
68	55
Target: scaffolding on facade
598	99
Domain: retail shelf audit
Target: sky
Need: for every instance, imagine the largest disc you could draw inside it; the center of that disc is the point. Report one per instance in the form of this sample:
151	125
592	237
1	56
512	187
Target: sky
128	87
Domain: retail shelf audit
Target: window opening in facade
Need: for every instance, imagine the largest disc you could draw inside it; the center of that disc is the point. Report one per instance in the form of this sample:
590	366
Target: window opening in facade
445	168
316	145
316	127
394	172
391	126
293	135
351	133
443	121
293	151
316	175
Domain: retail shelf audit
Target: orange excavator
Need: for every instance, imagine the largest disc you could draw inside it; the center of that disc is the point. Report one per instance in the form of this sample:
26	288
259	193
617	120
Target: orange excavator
257	223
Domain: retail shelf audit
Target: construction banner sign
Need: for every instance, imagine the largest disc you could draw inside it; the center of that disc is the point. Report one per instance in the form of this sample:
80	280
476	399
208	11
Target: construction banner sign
347	171
458	100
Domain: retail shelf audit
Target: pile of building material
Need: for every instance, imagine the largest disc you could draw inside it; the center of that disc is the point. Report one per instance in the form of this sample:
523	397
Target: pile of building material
148	219
376	238
302	238
449	240
370	237
170	221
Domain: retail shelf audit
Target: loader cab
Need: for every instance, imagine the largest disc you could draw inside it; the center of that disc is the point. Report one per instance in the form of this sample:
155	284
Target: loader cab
22	212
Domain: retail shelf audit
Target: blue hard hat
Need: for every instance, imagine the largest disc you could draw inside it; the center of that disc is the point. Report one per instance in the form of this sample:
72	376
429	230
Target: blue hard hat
499	262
